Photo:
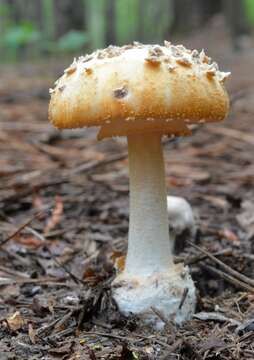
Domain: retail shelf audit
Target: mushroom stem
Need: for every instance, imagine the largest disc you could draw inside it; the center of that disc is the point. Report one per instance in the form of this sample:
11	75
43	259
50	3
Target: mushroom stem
150	278
149	246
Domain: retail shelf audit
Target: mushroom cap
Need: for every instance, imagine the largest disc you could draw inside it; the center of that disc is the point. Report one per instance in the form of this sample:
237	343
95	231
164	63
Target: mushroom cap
140	88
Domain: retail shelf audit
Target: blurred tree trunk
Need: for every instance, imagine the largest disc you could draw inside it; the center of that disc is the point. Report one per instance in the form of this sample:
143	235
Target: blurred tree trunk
182	10
96	22
155	18
110	35
48	19
191	14
141	23
208	8
24	10
127	20
4	16
236	18
68	15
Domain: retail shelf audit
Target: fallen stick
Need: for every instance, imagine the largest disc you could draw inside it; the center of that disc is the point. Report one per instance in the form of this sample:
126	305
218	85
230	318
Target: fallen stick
190	260
22	227
62	266
229	278
225	267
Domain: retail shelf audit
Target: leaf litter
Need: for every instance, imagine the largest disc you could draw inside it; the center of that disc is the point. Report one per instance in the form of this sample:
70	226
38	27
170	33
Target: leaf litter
64	224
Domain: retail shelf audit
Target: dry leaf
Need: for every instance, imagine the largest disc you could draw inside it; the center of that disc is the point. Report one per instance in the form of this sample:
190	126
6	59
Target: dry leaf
16	321
216	201
29	241
62	349
31	333
120	263
56	215
230	235
119	260
37	201
88	274
51	304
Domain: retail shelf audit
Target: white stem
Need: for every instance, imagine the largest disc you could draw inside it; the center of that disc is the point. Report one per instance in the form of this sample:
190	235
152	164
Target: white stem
149	246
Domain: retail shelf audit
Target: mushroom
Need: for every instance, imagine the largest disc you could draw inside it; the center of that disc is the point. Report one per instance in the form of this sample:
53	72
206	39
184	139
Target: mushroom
144	92
181	222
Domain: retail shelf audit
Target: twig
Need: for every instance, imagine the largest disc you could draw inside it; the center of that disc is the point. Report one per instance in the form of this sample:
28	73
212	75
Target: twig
44	281
27	191
112	336
44	329
159	314
229	278
65	178
36	216
72	276
56	323
60	334
215	316
97	163
18	274
185	293
172	349
225	267
190	260
123	338
64	319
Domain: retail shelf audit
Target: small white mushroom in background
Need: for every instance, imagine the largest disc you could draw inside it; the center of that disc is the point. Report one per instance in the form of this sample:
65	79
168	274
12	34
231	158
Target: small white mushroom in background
123	85
181	222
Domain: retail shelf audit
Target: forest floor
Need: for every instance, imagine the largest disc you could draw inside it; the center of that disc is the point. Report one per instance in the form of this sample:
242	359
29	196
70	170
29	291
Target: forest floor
64	219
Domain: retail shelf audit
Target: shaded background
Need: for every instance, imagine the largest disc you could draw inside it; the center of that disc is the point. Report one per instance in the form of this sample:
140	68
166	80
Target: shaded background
56	271
51	27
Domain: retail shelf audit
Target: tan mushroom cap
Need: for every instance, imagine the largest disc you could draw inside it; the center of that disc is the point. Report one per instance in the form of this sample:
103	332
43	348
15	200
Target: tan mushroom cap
140	88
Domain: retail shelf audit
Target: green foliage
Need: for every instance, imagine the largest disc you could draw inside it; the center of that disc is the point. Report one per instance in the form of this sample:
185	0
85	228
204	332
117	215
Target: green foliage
4	10
20	35
250	10
143	20
72	41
